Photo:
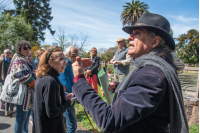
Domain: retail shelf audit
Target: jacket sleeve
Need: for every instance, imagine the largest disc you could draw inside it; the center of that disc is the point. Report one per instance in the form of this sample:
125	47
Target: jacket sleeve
50	98
135	103
22	71
96	66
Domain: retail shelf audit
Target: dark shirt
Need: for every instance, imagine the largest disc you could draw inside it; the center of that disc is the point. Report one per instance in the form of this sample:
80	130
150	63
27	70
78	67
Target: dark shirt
49	104
6	66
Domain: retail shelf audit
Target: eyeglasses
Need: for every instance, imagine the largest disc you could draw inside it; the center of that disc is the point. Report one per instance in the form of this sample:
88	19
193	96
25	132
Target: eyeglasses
73	55
26	48
8	53
62	61
94	50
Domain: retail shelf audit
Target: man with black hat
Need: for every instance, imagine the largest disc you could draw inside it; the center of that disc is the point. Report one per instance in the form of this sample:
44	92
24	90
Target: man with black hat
121	61
149	99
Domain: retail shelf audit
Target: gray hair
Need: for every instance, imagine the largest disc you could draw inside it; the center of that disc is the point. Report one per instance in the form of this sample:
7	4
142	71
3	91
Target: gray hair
163	45
6	50
68	50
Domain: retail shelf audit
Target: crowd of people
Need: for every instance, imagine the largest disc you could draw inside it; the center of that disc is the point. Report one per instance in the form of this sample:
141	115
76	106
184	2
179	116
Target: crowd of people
147	99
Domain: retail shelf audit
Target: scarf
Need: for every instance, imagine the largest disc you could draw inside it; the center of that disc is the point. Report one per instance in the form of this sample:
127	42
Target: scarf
178	120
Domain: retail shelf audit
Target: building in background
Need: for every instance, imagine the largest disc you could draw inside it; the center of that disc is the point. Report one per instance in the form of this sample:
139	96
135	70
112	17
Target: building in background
54	44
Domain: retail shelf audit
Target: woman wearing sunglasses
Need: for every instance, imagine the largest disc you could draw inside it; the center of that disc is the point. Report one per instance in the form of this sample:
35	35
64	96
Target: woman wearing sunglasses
50	101
21	68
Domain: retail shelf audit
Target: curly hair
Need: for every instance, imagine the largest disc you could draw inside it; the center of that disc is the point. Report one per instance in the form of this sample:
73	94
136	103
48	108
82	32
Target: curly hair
20	44
44	67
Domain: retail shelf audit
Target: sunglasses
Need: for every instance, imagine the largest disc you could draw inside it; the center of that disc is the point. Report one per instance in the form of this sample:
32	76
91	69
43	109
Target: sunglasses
26	48
73	55
8	53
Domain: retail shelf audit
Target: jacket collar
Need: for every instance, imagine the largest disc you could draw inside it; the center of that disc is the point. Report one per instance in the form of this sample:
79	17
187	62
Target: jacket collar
54	74
122	49
5	59
69	61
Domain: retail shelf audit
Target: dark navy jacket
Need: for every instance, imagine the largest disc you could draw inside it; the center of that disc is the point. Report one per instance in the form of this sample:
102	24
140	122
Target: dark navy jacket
141	106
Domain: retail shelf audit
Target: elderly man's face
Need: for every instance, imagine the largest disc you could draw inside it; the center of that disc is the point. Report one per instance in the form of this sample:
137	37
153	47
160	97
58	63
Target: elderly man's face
7	54
140	43
73	55
121	44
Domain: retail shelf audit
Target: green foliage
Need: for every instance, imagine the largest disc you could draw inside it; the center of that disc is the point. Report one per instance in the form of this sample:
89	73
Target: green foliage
127	43
187	47
108	55
13	29
86	55
133	11
194	128
38	14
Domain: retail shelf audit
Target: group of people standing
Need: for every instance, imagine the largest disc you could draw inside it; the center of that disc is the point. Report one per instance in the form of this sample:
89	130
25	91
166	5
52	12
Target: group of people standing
49	81
146	100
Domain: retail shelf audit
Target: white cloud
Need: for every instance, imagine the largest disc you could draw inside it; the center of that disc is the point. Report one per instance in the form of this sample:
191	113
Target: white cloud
184	19
179	29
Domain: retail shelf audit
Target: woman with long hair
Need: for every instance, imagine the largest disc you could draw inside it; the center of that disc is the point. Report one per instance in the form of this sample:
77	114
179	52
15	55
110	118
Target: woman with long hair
92	71
50	101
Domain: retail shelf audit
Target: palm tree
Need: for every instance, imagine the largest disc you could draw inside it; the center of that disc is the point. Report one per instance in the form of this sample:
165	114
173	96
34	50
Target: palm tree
133	11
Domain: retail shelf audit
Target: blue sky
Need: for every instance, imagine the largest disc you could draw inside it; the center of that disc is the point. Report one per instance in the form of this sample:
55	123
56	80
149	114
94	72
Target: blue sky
101	18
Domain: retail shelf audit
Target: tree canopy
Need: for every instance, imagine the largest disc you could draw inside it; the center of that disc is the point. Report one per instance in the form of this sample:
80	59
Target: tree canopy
133	11
13	29
187	47
37	13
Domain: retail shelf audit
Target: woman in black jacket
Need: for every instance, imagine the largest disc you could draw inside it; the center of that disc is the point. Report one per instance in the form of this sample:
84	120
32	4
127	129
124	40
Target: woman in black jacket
92	71
50	101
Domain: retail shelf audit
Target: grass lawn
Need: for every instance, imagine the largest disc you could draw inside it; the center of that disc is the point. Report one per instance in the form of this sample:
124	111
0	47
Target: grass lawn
82	118
194	128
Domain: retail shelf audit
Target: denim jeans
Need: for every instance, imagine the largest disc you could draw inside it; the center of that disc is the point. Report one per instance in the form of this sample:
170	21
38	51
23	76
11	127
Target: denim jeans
32	113
69	114
22	119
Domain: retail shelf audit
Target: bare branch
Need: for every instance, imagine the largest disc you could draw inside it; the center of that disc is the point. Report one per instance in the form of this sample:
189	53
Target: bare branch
84	40
60	37
74	40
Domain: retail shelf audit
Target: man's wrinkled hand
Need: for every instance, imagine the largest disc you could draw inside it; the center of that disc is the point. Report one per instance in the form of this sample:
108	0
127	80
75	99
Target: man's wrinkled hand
80	64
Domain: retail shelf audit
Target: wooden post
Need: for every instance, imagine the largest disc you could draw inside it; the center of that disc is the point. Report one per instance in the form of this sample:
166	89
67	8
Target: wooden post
100	66
197	91
106	64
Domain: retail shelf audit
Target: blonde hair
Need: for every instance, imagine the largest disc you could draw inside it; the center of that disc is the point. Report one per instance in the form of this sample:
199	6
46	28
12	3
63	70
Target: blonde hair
38	52
44	67
91	52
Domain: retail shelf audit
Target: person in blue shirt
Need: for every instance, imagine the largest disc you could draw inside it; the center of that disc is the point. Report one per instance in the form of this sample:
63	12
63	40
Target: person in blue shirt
66	79
38	54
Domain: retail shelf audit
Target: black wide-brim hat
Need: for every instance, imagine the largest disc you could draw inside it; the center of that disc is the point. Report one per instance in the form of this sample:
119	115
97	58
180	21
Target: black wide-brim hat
155	23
